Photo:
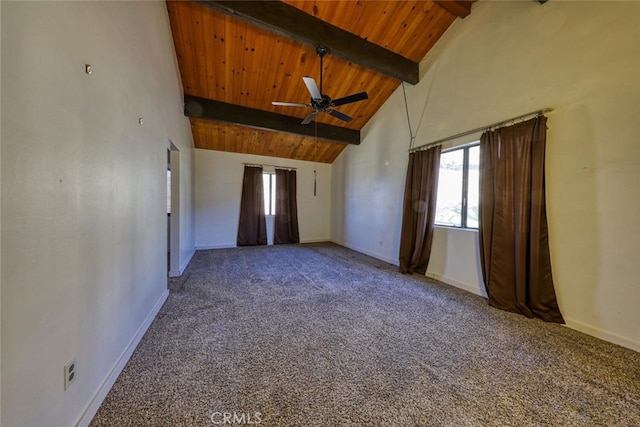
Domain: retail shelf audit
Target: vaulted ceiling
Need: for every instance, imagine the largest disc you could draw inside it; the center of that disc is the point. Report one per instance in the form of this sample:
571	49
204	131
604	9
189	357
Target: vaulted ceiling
235	58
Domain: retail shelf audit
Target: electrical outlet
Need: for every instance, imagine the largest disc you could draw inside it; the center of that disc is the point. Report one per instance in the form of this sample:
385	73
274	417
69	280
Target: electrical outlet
69	373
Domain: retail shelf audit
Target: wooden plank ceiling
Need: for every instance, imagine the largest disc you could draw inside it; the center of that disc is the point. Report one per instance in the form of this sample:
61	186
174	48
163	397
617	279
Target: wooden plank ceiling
226	59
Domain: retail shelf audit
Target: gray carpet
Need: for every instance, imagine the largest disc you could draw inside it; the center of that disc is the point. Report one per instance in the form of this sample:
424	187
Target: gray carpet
319	335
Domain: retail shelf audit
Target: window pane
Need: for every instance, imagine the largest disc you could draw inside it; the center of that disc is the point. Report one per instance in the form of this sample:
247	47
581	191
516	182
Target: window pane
265	187
474	187
449	204
273	194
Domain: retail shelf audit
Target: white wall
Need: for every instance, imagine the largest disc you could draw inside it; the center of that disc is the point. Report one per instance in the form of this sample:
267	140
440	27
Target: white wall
455	259
0	221
506	59
368	185
83	196
218	186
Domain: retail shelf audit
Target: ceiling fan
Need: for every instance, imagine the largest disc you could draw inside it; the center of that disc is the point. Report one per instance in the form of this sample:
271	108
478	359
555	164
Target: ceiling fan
323	103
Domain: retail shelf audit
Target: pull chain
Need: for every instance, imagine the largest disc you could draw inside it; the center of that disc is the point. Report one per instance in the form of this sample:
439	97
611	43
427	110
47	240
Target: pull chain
315	159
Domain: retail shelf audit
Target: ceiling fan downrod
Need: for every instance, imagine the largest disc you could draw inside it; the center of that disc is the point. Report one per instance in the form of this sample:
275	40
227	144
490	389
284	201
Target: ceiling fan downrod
321	51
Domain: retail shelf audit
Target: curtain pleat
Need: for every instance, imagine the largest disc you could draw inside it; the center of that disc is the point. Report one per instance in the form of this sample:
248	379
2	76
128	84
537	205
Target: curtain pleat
513	233
285	228
252	227
419	210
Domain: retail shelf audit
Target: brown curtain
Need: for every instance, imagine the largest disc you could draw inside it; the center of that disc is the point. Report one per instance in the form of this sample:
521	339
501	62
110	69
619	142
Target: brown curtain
419	210
514	241
285	229
252	229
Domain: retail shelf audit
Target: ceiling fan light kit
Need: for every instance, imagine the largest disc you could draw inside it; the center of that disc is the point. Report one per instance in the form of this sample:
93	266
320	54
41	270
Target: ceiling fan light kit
320	102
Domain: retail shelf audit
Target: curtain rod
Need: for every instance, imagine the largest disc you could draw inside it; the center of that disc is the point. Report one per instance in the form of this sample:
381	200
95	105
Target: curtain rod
480	129
257	165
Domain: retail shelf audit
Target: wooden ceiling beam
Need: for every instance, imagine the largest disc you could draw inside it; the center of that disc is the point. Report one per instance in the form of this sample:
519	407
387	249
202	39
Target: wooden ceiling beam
202	108
459	8
290	22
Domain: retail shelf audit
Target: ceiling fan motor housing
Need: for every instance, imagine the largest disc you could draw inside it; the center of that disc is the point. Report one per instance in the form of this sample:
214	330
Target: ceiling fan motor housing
321	104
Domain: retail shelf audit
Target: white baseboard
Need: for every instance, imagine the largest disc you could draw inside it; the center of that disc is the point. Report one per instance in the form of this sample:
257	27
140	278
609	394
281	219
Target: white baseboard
314	240
102	392
444	279
464	286
366	252
233	245
183	266
186	262
220	246
602	334
569	322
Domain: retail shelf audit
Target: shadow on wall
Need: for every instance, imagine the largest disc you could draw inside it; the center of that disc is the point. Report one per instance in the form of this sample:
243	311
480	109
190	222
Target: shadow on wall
339	198
481	286
572	212
455	259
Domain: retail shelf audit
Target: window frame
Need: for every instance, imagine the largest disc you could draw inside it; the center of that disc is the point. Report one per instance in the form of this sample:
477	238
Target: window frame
269	199
464	191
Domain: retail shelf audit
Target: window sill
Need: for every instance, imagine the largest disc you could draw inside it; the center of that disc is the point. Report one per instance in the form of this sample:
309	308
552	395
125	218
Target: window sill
451	227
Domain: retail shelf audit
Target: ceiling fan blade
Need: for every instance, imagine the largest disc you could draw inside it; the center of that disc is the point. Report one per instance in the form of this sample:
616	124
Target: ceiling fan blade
349	99
289	104
312	87
341	116
310	117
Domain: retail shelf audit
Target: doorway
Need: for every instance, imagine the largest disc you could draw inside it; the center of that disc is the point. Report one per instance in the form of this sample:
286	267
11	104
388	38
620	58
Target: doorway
173	210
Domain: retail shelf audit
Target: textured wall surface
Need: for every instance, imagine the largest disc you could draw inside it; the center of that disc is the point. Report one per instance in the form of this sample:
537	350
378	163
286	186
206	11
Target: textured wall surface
83	195
507	59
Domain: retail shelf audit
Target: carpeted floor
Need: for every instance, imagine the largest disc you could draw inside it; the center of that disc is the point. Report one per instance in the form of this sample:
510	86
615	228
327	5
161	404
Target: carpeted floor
319	335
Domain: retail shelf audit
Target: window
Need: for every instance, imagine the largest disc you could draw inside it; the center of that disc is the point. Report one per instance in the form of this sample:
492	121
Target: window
269	183
458	187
